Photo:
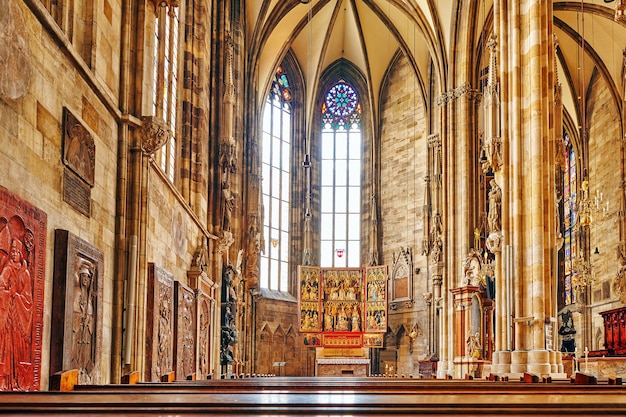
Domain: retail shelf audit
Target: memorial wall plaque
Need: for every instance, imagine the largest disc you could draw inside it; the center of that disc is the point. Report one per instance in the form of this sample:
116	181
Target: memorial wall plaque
205	318
77	316
159	323
22	272
79	158
79	148
76	193
184	331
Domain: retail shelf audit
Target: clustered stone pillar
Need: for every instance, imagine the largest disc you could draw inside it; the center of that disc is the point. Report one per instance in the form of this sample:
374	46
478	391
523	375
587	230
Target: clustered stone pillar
528	134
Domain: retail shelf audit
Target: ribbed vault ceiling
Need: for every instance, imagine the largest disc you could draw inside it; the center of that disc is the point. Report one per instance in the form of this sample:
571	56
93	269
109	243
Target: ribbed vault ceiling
368	33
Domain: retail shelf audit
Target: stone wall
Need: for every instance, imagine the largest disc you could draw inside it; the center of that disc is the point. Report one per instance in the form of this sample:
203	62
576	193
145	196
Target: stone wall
278	339
604	177
403	169
31	141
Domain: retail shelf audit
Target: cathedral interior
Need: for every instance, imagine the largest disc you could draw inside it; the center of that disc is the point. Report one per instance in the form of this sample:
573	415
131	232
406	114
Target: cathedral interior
225	188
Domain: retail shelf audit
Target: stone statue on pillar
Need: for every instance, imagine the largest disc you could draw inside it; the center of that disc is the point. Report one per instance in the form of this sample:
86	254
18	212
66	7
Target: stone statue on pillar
494	218
229	334
619	283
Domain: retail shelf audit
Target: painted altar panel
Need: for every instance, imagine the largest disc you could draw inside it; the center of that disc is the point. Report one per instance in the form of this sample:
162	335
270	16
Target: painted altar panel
310	317
22	271
342	300
376	302
333	304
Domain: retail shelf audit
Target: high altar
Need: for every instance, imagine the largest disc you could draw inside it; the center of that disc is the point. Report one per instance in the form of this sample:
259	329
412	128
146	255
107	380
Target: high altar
343	311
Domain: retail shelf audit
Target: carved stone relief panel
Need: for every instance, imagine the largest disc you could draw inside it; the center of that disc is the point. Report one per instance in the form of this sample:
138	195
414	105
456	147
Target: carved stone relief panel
205	314
15	55
77	315
184	330
79	157
205	289
159	323
79	149
22	272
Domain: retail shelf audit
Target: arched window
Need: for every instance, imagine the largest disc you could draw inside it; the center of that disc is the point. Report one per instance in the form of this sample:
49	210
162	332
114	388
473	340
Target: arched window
166	80
341	148
276	168
570	238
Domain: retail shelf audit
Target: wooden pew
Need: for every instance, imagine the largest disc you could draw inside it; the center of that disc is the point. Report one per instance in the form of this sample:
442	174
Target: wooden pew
584	379
64	380
326	396
168	377
130	377
338	384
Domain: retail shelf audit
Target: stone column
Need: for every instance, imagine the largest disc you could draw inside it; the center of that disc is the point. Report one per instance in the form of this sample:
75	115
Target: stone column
528	200
441	323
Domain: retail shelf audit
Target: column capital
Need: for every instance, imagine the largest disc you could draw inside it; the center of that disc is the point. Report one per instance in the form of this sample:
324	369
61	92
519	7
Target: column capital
154	133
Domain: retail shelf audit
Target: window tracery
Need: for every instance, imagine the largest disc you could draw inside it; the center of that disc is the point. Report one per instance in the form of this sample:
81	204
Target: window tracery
341	145
276	174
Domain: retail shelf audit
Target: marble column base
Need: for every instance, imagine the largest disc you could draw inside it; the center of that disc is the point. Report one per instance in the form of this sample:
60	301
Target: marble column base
537	361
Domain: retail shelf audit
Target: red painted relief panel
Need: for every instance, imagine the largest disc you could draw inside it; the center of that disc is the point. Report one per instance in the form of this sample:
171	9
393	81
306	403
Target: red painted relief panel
22	252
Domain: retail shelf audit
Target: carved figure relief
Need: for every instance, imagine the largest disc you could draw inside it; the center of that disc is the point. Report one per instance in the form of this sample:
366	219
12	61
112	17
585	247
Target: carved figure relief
22	249
160	323
77	316
16	320
185	328
204	347
15	55
164	335
473	346
495	207
254	251
472	267
179	231
79	148
83	325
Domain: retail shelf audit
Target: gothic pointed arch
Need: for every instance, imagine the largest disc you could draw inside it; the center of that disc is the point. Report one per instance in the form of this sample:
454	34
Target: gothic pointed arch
278	208
344	75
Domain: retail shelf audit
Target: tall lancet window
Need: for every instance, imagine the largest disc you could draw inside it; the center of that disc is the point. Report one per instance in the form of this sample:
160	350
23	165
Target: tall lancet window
341	147
276	171
570	238
166	80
